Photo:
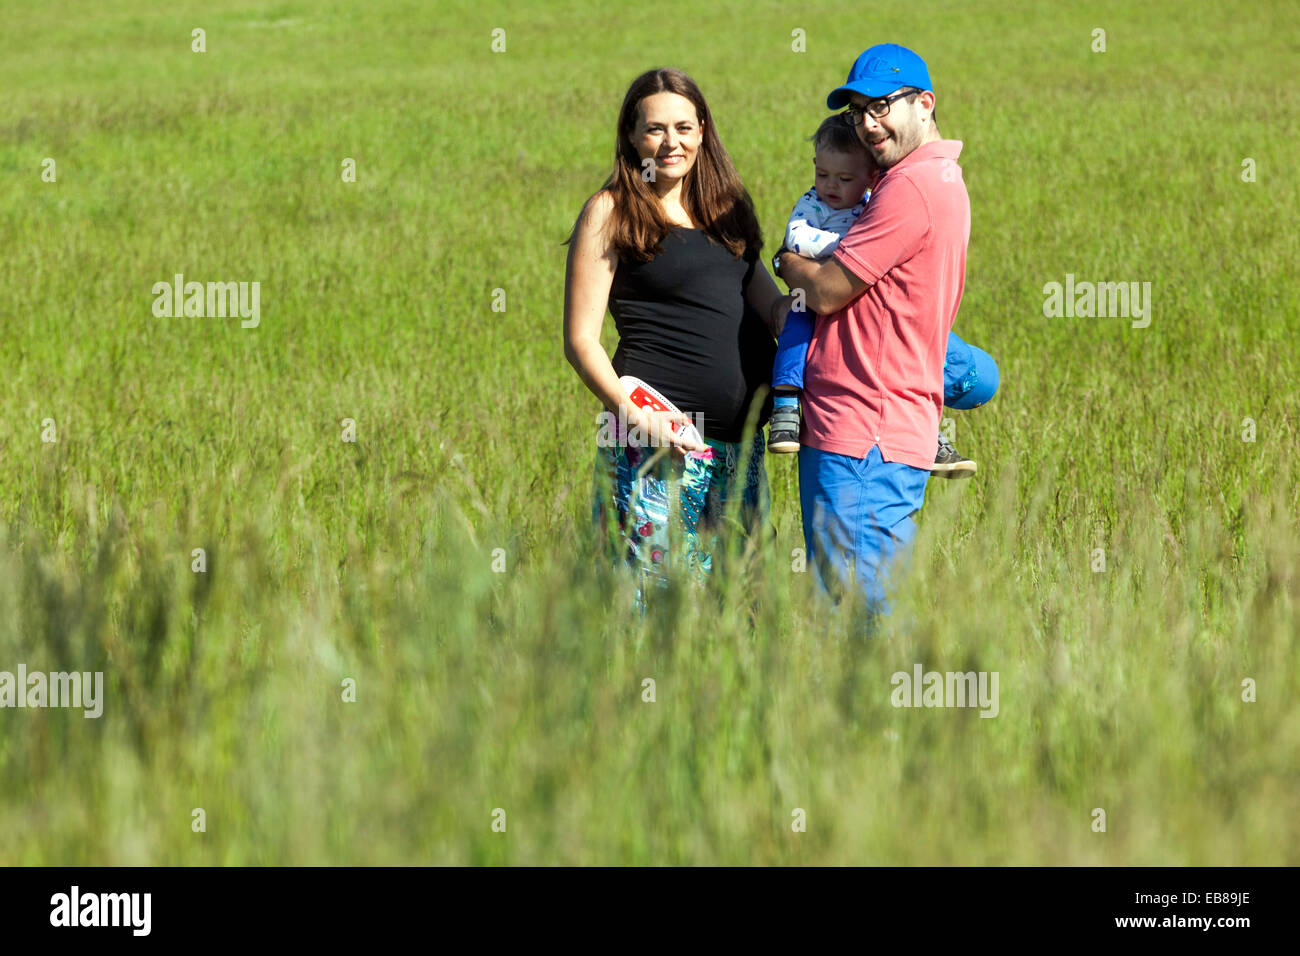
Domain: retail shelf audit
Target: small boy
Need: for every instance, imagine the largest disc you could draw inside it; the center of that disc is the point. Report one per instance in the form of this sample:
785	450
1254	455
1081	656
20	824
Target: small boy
844	176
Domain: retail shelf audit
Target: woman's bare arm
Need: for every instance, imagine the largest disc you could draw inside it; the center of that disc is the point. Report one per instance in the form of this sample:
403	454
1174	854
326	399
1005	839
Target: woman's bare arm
588	276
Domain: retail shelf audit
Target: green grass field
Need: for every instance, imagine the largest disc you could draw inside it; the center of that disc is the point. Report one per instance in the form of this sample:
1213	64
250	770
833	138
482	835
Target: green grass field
444	561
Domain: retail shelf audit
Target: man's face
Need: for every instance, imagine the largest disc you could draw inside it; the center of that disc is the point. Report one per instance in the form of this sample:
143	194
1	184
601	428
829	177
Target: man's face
898	132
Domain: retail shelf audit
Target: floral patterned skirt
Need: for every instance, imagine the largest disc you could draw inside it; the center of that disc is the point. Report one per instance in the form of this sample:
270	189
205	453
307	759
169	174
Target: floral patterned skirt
662	511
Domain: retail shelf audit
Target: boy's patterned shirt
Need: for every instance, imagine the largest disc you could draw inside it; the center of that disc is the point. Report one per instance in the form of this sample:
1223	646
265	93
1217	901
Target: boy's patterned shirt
815	229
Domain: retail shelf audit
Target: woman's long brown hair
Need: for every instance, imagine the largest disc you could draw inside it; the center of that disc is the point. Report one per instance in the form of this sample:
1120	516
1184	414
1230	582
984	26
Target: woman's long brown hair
712	193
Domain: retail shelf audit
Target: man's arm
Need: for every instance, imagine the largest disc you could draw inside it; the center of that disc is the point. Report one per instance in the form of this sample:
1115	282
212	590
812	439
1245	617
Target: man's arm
827	285
890	230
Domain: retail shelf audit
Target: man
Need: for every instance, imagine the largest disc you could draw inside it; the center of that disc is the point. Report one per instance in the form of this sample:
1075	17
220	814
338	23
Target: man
874	380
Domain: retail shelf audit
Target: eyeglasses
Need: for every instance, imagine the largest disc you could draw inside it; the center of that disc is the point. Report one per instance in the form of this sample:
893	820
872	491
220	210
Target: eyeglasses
876	108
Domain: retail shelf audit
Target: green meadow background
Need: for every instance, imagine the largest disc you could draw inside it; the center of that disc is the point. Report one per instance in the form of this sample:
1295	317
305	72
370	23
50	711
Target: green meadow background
444	561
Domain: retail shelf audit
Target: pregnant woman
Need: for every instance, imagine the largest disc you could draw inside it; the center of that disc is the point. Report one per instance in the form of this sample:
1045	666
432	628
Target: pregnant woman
670	245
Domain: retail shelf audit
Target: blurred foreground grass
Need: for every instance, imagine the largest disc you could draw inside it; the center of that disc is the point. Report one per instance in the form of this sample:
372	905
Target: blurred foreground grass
521	688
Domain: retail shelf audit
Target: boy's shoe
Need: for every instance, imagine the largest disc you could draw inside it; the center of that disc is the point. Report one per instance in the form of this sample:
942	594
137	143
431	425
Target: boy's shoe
783	430
949	464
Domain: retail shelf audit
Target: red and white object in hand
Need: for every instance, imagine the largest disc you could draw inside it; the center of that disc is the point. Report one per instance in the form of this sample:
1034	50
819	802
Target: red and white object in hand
646	396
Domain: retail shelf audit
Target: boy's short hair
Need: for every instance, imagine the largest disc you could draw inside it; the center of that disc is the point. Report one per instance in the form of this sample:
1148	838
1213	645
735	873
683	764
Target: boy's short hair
835	134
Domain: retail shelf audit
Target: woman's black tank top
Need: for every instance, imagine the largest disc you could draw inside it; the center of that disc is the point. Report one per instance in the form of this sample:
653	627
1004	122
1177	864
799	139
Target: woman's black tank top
684	327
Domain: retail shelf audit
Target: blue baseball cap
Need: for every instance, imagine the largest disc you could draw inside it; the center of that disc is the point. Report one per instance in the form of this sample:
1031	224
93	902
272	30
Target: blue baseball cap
879	71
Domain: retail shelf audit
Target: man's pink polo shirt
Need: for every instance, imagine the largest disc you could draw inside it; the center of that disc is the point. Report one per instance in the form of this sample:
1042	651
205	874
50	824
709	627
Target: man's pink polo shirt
874	374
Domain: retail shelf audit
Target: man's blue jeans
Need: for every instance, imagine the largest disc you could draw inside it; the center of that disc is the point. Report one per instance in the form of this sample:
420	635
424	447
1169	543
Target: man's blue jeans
858	513
857	519
970	376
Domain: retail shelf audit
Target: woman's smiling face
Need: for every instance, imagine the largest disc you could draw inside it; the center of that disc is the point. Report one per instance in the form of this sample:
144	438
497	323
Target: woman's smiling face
669	133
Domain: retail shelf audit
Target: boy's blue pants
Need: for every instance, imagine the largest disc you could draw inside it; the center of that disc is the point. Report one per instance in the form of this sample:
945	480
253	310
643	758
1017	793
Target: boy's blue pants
970	376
